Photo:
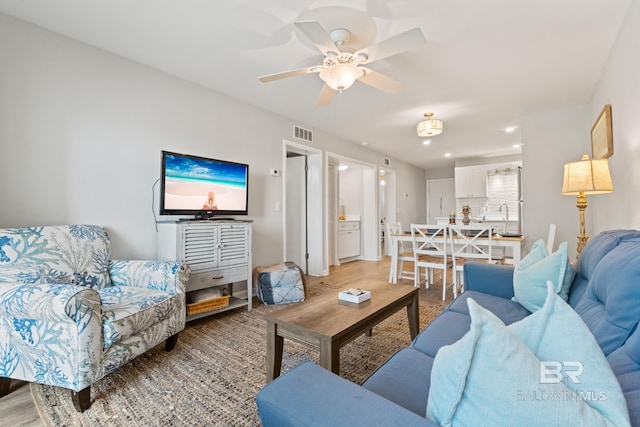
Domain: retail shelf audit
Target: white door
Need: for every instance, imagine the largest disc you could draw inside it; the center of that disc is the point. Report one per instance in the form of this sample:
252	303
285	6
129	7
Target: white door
441	198
296	211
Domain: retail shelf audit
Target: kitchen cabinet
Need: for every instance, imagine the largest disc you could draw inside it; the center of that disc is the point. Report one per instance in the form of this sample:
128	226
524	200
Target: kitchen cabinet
471	181
348	239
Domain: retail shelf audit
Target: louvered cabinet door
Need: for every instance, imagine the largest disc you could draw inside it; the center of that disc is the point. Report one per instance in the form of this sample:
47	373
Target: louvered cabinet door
233	244
200	246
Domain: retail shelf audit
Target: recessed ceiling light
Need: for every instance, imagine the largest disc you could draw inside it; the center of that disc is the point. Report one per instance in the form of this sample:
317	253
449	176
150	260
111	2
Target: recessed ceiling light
365	143
510	129
447	154
426	142
516	145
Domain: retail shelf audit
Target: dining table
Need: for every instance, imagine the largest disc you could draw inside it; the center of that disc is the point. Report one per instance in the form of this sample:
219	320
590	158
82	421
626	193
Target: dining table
515	243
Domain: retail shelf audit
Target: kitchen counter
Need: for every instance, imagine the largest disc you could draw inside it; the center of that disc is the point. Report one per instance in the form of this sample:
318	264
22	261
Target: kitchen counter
510	225
445	220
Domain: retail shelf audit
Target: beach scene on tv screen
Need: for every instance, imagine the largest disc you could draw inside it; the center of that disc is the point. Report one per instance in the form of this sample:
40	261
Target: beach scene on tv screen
201	184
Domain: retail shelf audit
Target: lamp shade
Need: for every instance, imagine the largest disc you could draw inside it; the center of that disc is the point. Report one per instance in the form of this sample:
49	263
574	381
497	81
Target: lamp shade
587	176
429	127
341	76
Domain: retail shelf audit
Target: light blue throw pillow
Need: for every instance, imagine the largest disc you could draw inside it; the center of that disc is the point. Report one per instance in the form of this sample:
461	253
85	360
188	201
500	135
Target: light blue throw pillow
557	335
491	377
530	276
537	253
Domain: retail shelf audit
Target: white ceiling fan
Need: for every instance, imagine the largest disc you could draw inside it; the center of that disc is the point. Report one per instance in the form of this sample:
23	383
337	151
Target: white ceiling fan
342	66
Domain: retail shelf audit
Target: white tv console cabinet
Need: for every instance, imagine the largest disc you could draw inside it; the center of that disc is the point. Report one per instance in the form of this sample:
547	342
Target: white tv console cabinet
218	253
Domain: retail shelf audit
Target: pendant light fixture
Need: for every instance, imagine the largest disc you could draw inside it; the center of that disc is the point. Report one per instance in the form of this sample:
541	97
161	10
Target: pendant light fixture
429	126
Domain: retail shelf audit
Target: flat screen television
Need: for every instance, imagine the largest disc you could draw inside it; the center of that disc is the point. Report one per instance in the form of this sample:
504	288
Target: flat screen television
206	188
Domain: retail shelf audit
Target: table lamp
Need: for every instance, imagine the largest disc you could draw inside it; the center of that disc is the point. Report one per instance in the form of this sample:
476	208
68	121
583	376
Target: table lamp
583	178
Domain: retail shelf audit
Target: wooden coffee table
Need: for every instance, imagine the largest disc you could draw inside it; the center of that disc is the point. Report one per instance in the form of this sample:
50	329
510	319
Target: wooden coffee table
326	323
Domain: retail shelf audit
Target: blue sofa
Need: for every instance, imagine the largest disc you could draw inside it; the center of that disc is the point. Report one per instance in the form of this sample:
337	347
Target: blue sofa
605	293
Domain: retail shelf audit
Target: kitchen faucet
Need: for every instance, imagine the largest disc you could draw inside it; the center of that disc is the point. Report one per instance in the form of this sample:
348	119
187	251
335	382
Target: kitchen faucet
506	208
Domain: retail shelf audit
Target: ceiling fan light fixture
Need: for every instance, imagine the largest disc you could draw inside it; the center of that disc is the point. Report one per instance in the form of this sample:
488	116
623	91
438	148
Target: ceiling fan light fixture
341	76
429	126
342	64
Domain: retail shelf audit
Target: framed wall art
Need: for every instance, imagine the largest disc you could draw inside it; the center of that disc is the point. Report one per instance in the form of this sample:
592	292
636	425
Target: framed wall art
602	135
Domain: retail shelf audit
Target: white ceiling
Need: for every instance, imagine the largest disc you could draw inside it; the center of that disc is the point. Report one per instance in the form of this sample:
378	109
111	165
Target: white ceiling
486	63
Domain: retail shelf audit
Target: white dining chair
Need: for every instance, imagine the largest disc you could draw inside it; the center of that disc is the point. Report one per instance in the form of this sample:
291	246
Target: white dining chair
469	243
405	253
551	236
430	253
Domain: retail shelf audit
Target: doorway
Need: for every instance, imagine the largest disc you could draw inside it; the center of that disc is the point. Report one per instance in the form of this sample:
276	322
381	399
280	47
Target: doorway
303	219
353	192
296	209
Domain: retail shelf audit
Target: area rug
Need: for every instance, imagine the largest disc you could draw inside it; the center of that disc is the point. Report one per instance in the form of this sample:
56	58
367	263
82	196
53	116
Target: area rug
215	372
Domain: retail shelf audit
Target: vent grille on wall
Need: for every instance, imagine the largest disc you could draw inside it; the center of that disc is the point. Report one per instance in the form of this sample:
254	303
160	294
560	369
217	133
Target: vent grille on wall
304	134
387	161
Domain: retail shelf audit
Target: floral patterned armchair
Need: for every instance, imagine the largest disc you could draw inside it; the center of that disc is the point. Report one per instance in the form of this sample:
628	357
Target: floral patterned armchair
69	315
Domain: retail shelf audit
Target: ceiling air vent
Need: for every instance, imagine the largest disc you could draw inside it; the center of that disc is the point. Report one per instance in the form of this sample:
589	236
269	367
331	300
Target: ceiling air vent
387	161
303	134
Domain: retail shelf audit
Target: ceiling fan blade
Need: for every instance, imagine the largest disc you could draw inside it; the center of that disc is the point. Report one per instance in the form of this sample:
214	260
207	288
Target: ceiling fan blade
381	81
314	32
326	95
402	42
290	73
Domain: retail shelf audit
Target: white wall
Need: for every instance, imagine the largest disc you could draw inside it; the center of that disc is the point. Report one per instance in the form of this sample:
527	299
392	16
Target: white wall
549	141
81	132
620	87
488	160
411	199
439	173
350	190
554	138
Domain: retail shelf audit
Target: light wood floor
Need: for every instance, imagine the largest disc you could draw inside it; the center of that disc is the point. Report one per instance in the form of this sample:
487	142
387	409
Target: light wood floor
18	409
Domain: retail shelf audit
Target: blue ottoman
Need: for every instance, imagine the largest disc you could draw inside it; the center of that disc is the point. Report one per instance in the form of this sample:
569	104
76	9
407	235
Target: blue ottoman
280	284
